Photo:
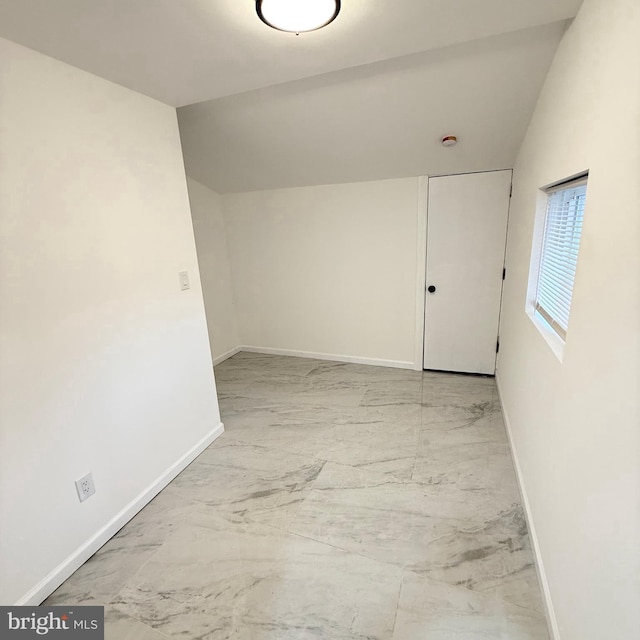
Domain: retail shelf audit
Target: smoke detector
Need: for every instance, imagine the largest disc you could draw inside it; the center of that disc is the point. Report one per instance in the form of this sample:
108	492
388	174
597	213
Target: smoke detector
449	141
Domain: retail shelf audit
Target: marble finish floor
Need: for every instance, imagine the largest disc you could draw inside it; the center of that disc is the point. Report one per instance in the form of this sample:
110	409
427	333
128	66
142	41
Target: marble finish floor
343	502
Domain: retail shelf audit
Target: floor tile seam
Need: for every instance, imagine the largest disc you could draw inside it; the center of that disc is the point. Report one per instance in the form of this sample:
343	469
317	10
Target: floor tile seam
364	393
469	421
402	483
225	506
371	427
112	593
509	603
401	441
129	615
399	512
364	466
448	439
103	601
315	456
394	479
292	452
469	524
278	448
252	526
91	602
153	554
485	593
309	487
205	466
351	552
301	423
300	398
318	458
382	386
256	386
397	608
441	444
246	526
477	461
388	477
311	402
413	467
232	440
455	492
307	403
403	567
190	506
285	382
379	405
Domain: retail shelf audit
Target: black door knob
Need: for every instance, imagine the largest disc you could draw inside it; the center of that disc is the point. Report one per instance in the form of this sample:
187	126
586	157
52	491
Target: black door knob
431	289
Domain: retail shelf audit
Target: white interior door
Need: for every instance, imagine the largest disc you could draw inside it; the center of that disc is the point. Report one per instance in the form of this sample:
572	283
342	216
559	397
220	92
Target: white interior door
466	234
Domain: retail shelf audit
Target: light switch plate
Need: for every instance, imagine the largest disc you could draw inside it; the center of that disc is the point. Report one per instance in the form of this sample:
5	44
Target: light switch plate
183	276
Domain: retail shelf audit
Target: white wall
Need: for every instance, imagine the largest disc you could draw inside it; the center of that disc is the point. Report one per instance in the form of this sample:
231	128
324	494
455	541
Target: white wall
328	270
576	425
104	363
215	272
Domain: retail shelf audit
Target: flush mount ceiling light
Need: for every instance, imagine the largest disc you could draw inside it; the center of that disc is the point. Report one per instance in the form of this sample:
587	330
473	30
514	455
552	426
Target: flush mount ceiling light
297	16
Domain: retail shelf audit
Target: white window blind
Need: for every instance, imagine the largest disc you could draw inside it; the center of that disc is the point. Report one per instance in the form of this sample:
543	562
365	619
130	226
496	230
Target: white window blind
560	244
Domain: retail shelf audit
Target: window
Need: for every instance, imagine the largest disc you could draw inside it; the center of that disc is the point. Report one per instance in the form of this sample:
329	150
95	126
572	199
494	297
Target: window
555	265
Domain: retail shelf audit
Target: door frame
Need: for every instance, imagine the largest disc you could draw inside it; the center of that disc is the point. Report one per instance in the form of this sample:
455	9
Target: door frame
421	279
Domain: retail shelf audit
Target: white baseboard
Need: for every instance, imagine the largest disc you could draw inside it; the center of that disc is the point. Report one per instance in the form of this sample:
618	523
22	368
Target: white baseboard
52	581
378	362
226	356
552	622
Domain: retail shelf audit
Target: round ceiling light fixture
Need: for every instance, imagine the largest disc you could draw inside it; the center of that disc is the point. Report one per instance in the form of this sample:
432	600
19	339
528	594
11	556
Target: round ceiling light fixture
297	16
449	141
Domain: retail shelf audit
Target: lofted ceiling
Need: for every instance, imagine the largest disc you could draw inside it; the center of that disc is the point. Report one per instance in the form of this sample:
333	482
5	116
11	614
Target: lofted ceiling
365	98
383	120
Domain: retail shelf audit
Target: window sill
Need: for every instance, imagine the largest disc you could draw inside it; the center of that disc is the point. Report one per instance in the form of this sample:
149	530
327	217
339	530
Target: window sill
555	342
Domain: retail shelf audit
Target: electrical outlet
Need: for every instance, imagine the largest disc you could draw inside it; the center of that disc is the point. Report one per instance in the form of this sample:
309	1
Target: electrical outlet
85	487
